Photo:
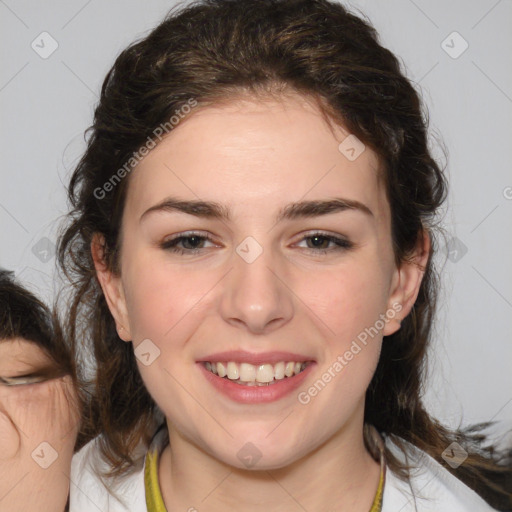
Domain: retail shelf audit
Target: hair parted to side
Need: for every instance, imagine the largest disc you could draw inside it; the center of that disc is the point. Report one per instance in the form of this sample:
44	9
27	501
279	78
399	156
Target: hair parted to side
212	51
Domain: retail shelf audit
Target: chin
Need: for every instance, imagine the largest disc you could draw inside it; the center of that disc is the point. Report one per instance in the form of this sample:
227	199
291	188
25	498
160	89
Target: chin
259	455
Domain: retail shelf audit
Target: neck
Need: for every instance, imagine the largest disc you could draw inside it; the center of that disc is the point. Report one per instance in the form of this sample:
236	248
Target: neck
339	475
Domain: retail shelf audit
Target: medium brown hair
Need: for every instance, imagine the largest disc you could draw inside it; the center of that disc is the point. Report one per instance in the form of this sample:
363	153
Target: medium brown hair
212	51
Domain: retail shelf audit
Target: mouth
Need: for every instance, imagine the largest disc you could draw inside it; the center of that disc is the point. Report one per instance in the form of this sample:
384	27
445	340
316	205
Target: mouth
247	374
249	378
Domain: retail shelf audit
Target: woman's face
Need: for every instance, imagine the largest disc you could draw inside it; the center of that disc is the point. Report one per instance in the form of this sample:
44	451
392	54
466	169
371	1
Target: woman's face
267	280
38	429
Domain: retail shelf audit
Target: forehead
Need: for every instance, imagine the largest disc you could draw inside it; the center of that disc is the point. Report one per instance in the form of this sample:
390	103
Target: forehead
15	348
248	150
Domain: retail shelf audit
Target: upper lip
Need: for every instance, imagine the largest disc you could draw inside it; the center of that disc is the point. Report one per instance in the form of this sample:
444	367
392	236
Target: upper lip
241	356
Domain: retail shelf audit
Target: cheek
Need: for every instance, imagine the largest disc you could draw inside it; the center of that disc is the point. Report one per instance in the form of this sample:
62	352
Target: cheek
163	300
9	438
347	300
349	303
46	411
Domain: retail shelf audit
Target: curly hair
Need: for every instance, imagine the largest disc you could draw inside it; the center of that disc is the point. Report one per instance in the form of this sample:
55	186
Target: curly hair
211	51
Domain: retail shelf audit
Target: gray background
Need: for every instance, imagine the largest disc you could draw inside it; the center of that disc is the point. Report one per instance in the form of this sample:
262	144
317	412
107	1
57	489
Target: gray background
47	103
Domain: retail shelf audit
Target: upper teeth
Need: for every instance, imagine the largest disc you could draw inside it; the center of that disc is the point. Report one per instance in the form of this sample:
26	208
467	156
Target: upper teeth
255	373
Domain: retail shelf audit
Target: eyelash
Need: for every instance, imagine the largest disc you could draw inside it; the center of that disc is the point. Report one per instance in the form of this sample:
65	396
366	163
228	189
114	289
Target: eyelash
22	380
341	244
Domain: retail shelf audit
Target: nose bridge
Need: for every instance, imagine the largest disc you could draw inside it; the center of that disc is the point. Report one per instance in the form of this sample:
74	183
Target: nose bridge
253	295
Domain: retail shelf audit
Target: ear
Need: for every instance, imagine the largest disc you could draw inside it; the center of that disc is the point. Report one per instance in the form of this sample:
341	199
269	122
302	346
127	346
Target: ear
112	287
406	283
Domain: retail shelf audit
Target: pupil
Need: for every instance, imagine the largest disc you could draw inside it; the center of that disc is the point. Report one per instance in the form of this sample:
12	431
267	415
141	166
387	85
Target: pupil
316	239
194	245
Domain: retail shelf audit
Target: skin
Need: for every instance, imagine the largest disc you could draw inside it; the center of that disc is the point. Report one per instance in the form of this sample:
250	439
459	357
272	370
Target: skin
32	414
254	157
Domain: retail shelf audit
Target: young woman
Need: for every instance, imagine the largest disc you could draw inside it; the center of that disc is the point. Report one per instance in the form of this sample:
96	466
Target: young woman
39	411
251	246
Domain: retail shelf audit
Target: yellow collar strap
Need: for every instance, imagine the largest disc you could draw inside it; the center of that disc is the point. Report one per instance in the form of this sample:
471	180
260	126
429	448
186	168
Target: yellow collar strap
155	502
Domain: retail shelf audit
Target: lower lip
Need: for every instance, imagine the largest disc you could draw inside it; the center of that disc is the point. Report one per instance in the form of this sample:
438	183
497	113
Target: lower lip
256	394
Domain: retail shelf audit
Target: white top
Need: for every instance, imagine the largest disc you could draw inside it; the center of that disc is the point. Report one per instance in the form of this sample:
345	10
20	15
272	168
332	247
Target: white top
431	488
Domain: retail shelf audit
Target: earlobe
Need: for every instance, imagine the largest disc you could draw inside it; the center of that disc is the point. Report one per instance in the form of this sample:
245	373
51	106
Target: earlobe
112	287
406	283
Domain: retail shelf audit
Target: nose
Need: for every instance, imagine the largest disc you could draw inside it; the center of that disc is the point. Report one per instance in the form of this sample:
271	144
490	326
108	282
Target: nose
255	295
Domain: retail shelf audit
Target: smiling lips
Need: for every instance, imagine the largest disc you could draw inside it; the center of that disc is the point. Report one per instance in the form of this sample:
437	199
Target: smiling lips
255	369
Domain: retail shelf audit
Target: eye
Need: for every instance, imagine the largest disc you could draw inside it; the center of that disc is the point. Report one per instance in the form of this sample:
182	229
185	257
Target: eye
191	243
323	243
24	380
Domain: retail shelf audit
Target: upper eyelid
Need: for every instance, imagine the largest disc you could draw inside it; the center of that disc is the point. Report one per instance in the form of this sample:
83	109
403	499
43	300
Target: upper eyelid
21	380
188	234
33	378
321	232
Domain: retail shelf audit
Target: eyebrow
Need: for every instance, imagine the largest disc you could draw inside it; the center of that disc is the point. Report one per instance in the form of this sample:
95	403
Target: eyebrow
291	211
